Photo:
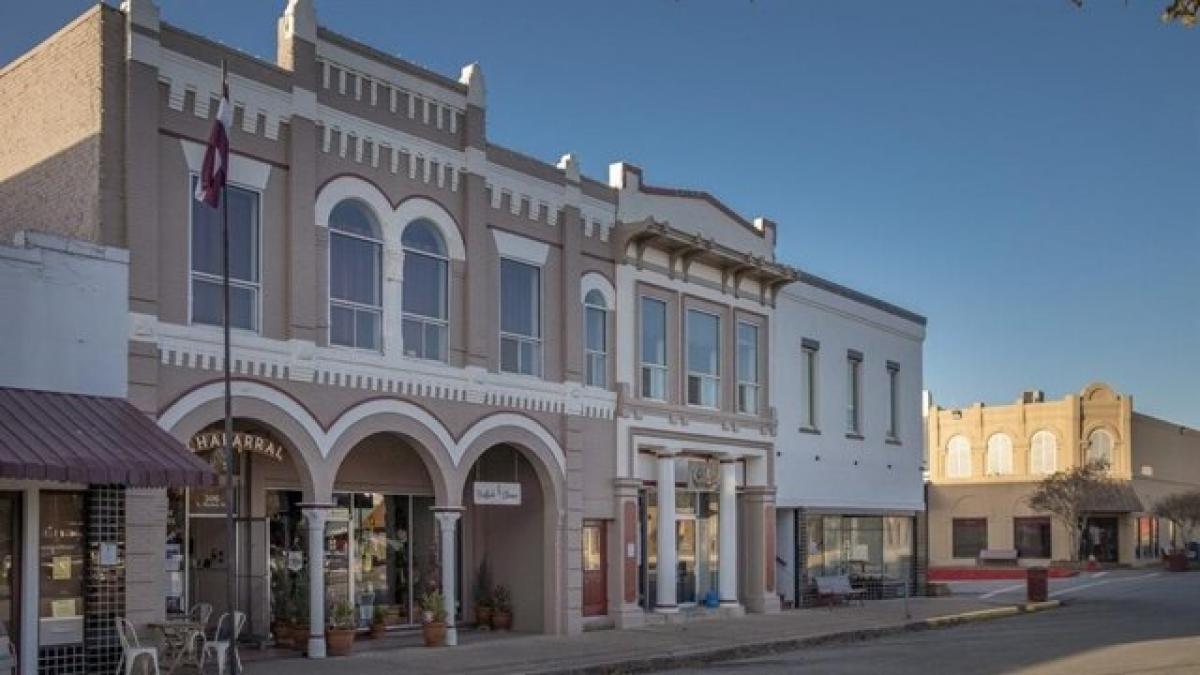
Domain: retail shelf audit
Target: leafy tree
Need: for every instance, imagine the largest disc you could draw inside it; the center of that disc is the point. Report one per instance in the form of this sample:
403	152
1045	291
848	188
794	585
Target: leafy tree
1182	509
1183	11
1069	495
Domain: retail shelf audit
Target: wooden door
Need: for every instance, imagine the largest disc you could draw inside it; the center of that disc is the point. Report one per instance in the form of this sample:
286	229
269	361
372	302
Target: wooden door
595	562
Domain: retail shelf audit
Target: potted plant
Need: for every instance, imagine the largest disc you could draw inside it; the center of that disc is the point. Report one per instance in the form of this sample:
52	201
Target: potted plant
339	634
483	595
281	610
378	622
433	629
501	608
300	627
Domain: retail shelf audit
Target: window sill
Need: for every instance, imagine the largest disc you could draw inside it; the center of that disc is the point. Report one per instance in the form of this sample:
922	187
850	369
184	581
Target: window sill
892	440
855	437
810	430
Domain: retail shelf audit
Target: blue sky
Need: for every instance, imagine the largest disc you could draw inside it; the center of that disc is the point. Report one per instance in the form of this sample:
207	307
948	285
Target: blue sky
1023	173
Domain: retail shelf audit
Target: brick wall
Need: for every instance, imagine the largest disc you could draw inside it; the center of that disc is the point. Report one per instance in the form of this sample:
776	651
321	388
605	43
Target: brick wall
145	539
50	112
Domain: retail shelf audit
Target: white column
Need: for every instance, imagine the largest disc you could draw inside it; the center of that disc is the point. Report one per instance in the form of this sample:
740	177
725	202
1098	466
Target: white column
31	574
727	525
665	601
448	521
316	516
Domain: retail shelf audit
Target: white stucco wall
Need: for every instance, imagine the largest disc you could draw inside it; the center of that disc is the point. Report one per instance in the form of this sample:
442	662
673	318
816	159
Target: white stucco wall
63	303
849	474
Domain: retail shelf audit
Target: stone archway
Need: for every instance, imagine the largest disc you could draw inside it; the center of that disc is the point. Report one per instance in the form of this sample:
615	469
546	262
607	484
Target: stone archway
521	542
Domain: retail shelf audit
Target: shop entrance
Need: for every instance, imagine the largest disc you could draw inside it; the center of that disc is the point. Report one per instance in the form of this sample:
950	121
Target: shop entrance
10	564
594	564
1100	539
697	546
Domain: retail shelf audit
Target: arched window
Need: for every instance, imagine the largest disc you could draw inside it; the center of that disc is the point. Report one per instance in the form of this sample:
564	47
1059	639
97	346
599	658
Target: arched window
426	277
999	455
1100	447
1043	453
958	458
595	311
355	279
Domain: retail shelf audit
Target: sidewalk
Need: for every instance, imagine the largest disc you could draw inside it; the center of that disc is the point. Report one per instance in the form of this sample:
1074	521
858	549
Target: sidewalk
649	647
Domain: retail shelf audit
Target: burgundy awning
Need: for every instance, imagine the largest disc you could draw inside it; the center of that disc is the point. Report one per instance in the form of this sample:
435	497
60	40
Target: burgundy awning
90	439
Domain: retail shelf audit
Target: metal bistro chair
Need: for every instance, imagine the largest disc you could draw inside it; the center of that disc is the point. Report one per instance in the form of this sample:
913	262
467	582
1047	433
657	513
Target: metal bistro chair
218	647
201	612
132	649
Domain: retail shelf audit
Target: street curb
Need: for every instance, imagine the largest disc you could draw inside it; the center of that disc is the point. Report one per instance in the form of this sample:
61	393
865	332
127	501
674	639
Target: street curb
755	649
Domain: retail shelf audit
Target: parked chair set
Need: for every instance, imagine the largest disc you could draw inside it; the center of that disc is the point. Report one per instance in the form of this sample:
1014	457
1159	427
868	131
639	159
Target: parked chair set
197	648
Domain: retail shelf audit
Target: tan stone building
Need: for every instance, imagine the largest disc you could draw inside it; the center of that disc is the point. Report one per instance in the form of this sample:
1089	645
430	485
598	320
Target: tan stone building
984	461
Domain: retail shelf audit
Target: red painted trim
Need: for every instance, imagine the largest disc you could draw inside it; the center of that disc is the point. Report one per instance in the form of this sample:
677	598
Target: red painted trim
991	573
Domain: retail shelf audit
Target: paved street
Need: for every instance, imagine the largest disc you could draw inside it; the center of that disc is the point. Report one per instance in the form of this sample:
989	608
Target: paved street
1114	622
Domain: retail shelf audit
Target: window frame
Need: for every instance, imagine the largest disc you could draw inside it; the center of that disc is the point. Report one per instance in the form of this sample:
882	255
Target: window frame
1112	446
893	430
1034	452
536	341
588	352
662	369
1041	521
256	287
688	373
353	305
957	547
854	413
990	450
950	454
809	371
405	315
740	382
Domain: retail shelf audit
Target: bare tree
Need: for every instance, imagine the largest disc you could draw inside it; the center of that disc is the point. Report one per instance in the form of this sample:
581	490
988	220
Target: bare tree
1186	12
1069	495
1182	509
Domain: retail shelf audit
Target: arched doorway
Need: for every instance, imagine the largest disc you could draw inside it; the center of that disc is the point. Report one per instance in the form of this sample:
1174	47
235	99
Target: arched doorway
381	546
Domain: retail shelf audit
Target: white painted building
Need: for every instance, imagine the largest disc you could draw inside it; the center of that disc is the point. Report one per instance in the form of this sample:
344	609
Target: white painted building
848	472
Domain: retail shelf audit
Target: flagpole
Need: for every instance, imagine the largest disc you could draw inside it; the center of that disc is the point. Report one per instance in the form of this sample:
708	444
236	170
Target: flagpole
230	492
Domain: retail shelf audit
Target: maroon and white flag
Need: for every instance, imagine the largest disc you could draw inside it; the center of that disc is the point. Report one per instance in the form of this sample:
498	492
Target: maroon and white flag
216	157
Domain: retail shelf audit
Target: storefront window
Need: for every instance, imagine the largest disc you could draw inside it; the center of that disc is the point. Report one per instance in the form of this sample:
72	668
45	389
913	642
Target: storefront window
1032	537
1147	537
381	561
288	562
868	549
61	553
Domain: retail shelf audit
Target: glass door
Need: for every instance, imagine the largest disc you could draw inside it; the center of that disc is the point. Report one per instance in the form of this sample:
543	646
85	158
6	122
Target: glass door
10	563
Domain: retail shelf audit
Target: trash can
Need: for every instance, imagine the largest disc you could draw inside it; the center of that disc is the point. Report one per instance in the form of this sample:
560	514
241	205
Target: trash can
1036	584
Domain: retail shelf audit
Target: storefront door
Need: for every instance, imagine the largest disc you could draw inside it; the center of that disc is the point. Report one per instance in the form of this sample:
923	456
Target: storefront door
10	563
594	564
1100	539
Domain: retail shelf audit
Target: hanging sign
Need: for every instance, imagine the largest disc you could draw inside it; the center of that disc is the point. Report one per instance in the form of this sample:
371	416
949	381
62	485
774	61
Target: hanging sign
704	475
242	442
497	494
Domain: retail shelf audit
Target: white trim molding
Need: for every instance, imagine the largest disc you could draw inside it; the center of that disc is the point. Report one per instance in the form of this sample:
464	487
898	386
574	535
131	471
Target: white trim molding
242	170
521	248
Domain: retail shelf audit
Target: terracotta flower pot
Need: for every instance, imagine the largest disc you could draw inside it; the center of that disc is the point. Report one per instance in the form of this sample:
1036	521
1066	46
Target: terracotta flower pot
483	617
434	633
282	632
378	630
339	641
501	620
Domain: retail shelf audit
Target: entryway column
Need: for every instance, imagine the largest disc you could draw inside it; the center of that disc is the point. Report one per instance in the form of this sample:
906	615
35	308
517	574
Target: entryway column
727	516
315	516
665	601
447	518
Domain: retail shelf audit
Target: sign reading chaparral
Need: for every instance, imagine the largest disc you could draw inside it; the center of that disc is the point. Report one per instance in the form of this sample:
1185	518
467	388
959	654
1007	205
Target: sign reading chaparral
242	442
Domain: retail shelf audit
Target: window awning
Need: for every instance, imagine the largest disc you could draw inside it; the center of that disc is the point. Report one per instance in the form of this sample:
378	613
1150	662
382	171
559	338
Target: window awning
90	439
1114	497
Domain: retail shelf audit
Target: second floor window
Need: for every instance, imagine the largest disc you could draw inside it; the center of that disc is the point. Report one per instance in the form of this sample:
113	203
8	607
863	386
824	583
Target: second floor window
854	393
1100	447
208	301
355	279
1043	453
893	430
703	359
654	349
595	311
425	281
747	368
520	318
808	385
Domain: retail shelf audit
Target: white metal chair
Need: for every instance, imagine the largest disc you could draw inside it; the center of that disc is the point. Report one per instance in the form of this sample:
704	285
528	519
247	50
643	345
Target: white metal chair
218	647
132	649
200	613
